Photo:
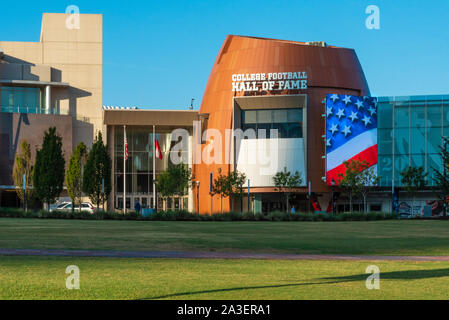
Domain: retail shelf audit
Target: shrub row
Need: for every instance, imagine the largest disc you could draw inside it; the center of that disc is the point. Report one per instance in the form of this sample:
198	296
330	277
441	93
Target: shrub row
183	215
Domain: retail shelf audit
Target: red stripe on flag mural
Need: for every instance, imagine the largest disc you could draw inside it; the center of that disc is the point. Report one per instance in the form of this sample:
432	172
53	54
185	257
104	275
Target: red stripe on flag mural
370	155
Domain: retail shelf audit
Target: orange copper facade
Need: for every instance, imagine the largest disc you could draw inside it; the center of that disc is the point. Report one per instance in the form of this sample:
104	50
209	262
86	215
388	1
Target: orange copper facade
329	70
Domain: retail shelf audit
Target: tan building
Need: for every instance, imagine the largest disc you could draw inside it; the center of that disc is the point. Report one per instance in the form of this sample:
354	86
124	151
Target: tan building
54	82
143	127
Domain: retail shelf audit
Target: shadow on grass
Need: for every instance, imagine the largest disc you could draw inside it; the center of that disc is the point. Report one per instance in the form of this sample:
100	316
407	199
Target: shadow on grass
227	289
395	275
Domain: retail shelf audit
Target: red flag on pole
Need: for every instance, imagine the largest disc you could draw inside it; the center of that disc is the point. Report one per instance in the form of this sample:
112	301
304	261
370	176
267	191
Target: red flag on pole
158	149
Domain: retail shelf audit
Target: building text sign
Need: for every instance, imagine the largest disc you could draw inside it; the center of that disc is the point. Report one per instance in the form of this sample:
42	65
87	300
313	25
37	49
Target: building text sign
269	81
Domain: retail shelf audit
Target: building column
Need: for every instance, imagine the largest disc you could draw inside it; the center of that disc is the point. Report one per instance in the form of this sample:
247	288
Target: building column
47	99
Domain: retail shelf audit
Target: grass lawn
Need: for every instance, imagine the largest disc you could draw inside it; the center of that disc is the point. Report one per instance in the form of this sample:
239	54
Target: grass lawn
390	237
111	278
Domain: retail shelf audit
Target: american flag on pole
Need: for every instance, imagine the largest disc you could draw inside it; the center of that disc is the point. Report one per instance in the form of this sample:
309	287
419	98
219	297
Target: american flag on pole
126	146
351	132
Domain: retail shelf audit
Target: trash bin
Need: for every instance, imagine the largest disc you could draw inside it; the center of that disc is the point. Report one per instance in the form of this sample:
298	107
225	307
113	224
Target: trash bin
147	212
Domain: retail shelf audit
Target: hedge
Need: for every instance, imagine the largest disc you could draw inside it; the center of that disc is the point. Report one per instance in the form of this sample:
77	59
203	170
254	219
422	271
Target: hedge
183	215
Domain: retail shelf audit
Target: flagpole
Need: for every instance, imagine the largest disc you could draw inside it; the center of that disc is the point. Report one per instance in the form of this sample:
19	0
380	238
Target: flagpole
154	167
124	169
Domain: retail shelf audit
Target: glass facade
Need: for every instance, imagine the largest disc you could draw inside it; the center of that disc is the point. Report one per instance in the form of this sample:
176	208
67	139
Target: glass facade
410	131
139	166
288	122
21	99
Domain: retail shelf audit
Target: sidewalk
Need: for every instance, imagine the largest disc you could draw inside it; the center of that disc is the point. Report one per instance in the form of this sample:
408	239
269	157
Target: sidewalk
210	255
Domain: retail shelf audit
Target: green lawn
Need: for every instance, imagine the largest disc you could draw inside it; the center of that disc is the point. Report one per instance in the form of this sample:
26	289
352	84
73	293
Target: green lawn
390	237
111	278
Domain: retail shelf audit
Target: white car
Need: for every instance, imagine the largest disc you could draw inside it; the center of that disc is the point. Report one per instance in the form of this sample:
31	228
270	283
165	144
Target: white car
58	206
85	206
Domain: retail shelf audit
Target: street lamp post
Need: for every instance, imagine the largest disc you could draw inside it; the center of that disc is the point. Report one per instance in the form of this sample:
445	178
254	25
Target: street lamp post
333	190
198	196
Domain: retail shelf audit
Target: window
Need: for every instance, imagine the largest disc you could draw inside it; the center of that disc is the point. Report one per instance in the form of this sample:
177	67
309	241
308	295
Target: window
416	135
287	122
434	115
21	99
418	115
120	203
434	140
401	116
385	141
401	141
140	139
385	115
418	160
385	169
250	116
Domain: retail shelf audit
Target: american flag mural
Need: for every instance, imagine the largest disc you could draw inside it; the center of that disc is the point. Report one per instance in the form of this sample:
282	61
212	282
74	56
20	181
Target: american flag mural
351	132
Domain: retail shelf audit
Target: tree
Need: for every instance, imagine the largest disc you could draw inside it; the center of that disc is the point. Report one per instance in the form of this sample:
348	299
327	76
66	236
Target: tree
284	182
413	178
98	167
175	180
74	175
368	179
49	168
23	166
351	180
442	178
222	187
236	180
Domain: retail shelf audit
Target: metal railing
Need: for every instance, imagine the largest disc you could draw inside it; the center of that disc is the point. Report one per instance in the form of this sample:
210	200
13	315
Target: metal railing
32	110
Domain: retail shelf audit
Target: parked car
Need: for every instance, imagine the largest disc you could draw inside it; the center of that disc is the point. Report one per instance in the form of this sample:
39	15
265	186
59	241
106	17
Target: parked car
59	206
85	206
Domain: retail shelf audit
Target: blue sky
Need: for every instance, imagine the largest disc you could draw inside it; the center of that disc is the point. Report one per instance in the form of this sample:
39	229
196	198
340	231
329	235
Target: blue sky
158	54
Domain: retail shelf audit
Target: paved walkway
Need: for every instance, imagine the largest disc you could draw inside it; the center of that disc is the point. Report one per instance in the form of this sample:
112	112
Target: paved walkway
210	255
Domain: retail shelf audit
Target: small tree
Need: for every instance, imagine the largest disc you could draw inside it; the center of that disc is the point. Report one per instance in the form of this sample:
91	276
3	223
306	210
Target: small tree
98	167
23	166
413	178
222	187
350	181
74	175
284	182
174	181
48	175
368	179
236	180
442	176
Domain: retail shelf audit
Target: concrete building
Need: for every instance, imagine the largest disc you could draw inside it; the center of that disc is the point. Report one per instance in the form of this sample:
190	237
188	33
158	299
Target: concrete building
54	82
